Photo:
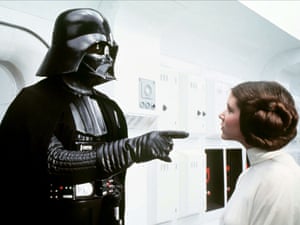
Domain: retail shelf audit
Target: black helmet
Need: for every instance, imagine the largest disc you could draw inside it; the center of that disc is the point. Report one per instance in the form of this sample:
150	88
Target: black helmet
75	31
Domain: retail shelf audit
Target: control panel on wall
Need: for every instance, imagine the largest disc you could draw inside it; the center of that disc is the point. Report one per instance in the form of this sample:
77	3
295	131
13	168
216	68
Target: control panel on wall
147	94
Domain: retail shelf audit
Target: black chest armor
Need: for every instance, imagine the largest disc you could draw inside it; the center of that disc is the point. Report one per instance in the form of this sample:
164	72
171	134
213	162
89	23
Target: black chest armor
90	127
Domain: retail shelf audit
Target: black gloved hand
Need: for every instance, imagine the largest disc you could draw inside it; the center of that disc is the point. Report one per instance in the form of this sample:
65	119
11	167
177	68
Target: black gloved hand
113	157
153	145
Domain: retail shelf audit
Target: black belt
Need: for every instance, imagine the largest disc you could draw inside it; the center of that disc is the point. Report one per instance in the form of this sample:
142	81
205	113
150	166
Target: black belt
84	191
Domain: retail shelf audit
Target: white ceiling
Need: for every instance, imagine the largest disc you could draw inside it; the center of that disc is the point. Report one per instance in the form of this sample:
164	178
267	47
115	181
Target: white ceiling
225	32
284	14
229	34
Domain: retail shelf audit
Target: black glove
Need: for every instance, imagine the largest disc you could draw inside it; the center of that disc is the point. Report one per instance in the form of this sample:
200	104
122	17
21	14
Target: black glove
153	145
116	156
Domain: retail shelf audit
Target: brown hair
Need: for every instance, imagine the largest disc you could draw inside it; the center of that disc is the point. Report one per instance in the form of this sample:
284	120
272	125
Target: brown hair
268	117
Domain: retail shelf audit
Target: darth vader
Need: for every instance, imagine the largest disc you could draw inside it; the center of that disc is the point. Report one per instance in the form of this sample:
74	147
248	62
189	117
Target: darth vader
64	144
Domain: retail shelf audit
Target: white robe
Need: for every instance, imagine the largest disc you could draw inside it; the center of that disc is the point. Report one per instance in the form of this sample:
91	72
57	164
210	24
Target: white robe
267	193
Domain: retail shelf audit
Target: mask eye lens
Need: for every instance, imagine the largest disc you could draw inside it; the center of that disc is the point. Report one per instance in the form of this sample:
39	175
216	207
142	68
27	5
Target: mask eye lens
97	46
106	50
101	49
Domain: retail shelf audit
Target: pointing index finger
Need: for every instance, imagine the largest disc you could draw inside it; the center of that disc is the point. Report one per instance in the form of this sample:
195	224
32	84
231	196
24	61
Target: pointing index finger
175	133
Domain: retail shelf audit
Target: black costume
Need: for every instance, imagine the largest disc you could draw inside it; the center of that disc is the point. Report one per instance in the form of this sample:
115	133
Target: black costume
27	142
64	143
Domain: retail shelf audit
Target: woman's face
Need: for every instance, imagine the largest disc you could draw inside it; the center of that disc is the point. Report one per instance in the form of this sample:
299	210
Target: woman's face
230	121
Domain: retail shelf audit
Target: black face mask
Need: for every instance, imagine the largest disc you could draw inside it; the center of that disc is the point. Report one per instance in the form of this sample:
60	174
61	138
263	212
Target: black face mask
99	63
